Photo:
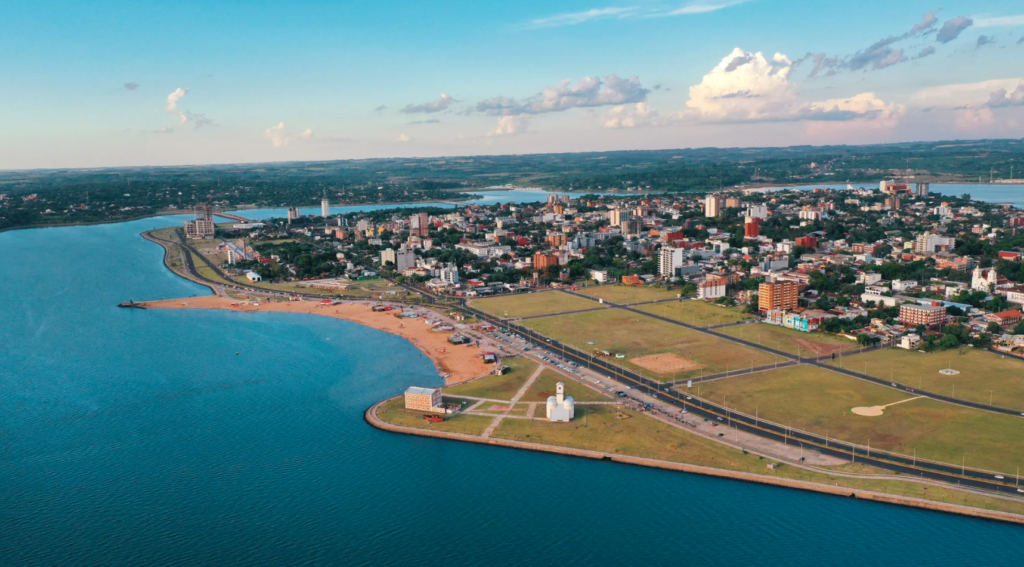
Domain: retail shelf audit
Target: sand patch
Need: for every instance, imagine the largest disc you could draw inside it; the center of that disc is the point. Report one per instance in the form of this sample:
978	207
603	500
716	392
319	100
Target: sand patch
875	411
666	363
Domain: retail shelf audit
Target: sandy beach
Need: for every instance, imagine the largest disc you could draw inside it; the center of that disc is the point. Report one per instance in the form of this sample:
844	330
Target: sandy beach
460	362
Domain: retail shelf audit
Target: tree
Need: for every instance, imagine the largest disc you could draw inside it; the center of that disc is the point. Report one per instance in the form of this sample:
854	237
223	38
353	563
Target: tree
992	327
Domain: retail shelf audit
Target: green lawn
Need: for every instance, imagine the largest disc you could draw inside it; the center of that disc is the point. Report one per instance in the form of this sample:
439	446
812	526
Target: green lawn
597	428
533	304
394	412
788	340
628	293
497	387
696	312
983	375
620	331
818	400
544	386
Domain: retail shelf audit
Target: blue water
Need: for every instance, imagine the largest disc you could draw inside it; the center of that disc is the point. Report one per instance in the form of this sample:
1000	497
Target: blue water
989	193
139	438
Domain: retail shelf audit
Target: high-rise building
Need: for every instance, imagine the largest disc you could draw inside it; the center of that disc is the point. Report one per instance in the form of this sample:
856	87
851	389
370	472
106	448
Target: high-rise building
758	211
325	207
669	259
542	260
752	227
203	225
403	258
922	189
732	203
777	296
616	216
419	224
293	213
913	315
713	205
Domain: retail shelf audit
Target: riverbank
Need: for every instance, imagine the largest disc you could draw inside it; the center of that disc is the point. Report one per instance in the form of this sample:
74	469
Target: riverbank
459	363
371	417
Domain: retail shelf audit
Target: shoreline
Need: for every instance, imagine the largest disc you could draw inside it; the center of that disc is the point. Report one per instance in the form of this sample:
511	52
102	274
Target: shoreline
459	362
371	417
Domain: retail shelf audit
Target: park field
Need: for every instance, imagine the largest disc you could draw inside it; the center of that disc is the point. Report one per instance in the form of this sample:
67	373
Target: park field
393	411
495	387
985	377
697	313
533	304
624	332
790	341
818	400
628	293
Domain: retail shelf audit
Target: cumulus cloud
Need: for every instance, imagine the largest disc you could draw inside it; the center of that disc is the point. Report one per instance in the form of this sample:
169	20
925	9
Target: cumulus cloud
442	102
759	89
404	138
631	116
973	119
131	86
984	40
967	95
511	126
1004	97
278	135
953	28
588	92
174	98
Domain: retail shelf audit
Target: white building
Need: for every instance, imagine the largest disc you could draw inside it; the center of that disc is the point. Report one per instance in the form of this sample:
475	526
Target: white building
758	211
449	274
929	242
599	276
713	205
984	280
668	260
711	288
403	258
253	276
325	208
560	407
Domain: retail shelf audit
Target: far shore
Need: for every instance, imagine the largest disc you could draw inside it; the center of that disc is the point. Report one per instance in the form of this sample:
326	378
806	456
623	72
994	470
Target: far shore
459	362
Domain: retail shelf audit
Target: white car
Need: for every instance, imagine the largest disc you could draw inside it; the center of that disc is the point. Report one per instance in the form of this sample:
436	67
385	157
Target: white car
999	477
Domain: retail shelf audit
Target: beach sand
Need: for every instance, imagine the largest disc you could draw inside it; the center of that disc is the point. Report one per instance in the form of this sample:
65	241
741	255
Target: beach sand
459	361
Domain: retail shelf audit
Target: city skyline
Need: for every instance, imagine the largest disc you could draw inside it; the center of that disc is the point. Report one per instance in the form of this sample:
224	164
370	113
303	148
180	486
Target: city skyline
124	85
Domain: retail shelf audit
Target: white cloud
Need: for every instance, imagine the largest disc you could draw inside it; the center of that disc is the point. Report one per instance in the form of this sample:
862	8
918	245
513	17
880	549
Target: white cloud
404	138
971	119
175	97
588	92
963	95
703	7
574	18
748	87
278	135
511	126
999	21
631	116
442	102
953	28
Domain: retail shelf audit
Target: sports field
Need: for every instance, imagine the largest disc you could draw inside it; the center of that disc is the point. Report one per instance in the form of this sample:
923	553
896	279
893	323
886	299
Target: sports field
983	375
497	387
696	312
533	304
632	335
788	340
628	293
818	400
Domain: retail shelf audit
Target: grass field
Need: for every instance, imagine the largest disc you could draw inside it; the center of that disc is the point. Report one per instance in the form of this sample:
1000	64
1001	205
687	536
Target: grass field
497	387
788	340
393	411
983	375
698	313
544	386
597	428
620	331
533	304
627	293
818	400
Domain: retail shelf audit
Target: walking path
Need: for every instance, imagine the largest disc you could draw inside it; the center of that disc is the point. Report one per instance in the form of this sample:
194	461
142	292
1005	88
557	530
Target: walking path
515	399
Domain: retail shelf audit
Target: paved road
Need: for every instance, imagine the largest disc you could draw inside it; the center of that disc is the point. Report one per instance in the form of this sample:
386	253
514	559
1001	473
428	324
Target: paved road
752	424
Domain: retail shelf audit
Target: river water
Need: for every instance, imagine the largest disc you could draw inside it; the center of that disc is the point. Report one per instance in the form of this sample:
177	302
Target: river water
141	438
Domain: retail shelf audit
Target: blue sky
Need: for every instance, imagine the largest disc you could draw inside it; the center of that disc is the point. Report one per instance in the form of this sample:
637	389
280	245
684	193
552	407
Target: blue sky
88	84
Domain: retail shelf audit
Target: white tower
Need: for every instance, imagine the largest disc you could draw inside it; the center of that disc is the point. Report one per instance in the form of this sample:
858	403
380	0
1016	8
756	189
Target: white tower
560	407
325	208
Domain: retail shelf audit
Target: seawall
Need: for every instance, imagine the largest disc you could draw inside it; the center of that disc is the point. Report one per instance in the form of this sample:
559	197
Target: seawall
371	417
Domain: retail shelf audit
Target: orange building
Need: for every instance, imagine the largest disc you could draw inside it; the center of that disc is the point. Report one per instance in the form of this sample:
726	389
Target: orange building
807	241
778	296
542	260
556	240
752	227
632	280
